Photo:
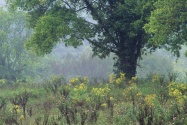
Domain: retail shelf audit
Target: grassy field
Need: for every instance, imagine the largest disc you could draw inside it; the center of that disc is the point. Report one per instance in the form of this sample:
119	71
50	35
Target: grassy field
152	101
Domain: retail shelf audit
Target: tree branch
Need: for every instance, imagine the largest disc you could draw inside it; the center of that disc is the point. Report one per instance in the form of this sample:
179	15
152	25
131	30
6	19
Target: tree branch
80	9
100	46
67	4
95	14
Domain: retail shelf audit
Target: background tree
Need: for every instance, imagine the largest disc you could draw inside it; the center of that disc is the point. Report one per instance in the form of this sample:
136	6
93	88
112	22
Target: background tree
13	34
113	26
16	63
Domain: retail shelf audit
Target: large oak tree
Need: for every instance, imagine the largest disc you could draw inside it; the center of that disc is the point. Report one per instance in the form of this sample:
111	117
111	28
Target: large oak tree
109	25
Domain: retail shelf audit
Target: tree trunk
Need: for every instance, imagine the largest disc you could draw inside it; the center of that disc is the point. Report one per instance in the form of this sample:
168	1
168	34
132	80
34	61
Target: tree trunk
127	58
126	65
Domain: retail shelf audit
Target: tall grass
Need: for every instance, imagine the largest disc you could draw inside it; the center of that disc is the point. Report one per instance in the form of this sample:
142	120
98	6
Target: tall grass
156	100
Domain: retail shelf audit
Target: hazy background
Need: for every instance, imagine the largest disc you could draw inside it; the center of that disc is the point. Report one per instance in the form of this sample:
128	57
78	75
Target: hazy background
2	3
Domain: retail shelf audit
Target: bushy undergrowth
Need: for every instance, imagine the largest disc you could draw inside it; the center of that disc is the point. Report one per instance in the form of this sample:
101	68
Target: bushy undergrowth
152	101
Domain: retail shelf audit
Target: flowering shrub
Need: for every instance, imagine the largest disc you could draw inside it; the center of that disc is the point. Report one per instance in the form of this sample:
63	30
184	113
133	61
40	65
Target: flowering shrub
16	108
78	80
119	81
74	80
178	92
101	91
133	80
22	117
132	92
79	102
81	87
79	93
150	99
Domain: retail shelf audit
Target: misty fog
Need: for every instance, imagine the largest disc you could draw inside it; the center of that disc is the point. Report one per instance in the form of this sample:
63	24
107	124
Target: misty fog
70	62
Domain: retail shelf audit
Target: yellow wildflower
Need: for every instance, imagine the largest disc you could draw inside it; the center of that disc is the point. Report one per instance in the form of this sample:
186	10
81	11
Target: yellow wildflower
122	75
80	87
182	86
133	80
112	78
71	80
111	98
18	110
104	105
22	117
74	80
16	107
149	99
176	93
118	81
101	91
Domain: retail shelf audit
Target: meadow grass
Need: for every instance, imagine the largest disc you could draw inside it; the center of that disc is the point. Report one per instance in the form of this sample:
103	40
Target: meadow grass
151	101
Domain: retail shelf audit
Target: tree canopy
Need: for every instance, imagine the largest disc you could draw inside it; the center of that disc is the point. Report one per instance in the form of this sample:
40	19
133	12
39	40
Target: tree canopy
167	25
110	26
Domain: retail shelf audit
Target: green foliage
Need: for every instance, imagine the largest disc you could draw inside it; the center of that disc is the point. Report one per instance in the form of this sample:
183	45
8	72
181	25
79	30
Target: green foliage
167	25
51	29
